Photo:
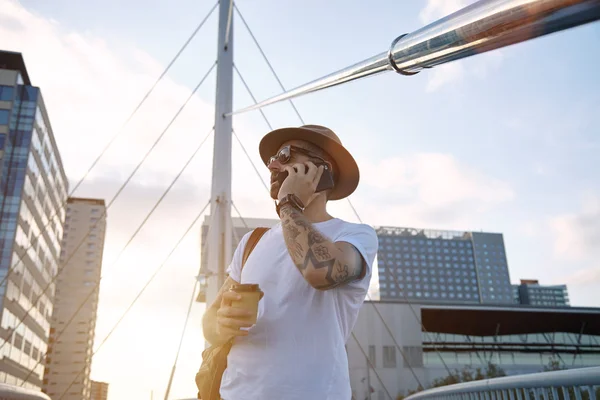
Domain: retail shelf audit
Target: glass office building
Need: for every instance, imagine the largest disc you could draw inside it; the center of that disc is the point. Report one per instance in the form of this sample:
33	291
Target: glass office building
33	189
442	266
531	293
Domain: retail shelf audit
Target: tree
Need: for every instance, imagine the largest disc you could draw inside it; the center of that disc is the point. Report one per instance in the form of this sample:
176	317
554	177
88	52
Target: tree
464	375
467	375
554	365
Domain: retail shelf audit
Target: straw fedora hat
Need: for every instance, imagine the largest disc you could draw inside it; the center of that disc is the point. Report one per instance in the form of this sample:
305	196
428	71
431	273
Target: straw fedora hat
346	175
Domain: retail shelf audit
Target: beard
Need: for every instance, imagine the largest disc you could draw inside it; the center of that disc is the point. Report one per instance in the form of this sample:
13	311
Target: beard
275	186
274	191
276	181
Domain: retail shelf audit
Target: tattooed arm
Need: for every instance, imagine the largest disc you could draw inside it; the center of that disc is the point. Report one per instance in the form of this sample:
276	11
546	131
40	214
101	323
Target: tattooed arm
323	263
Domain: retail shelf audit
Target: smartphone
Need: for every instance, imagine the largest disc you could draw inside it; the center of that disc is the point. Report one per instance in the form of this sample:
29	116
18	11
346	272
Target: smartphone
325	183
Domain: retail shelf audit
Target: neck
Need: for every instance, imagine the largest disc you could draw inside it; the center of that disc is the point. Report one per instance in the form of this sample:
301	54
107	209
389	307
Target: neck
316	211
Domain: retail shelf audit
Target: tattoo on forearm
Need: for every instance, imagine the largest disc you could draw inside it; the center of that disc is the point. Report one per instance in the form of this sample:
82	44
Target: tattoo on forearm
309	249
298	251
315	237
322	252
293	232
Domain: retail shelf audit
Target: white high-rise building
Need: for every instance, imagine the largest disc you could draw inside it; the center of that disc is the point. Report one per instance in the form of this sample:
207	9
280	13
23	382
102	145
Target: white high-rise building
68	361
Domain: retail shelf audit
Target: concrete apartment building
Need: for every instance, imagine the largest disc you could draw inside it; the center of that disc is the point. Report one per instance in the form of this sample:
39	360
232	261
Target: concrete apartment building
68	362
99	390
33	192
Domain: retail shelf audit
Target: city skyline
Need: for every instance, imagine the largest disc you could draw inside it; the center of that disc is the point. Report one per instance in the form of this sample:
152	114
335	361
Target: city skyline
440	171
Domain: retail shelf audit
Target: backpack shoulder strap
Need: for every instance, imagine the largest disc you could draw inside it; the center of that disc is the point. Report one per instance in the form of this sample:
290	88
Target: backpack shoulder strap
252	241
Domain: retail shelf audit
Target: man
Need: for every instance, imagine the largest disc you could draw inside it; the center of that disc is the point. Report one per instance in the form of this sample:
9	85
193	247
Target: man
314	270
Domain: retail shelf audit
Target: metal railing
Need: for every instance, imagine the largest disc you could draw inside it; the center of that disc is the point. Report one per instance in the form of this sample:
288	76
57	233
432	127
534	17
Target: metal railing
480	27
577	384
13	392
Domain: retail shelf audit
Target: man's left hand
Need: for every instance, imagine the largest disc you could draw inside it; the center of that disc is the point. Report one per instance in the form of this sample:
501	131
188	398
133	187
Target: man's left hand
302	180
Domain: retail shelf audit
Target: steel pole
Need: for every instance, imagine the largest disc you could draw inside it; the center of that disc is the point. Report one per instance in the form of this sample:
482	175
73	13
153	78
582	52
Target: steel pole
483	26
219	237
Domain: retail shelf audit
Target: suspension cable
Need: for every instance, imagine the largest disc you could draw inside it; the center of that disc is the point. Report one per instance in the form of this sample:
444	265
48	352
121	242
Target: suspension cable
252	95
139	294
59	271
267	61
185	324
252	163
427	334
370	302
420	321
119	132
353	335
189	310
139	228
371	366
302	121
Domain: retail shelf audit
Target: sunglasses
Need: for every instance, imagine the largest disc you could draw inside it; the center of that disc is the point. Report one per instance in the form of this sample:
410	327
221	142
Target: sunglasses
285	154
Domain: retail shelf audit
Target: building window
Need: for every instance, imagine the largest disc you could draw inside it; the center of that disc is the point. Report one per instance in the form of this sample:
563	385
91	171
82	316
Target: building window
3	117
372	356
389	357
6	93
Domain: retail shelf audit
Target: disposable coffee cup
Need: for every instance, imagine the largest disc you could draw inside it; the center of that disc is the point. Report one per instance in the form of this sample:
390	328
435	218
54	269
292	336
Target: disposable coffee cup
251	295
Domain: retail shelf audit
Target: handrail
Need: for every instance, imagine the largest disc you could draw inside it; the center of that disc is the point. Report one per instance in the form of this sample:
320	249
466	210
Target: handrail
12	392
483	26
552	379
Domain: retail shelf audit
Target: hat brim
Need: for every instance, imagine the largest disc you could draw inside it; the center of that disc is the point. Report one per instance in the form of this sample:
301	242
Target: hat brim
347	174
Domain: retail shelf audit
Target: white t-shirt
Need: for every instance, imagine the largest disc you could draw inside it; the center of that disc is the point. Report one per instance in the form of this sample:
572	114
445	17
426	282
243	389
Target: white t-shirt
296	350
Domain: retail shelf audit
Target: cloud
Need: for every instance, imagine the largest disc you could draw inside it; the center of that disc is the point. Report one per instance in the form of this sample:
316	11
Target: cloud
576	235
456	71
90	88
444	74
529	229
584	277
436	9
430	188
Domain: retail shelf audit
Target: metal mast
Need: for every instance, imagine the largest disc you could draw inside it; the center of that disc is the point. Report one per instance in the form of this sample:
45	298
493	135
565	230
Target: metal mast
219	233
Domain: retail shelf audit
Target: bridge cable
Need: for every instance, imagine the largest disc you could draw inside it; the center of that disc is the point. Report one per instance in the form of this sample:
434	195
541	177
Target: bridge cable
189	310
140	293
351	332
267	61
119	132
158	139
384	323
302	121
147	217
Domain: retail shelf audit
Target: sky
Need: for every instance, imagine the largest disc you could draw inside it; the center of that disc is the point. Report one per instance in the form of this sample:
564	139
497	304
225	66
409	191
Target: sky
503	142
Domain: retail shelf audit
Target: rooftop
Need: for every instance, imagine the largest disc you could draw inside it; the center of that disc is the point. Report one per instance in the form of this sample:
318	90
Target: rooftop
489	320
422	233
96	202
14	61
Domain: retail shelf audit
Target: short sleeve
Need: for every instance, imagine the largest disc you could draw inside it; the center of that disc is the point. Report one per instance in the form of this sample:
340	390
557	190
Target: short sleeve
235	267
364	239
